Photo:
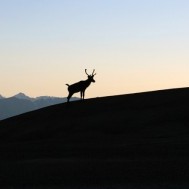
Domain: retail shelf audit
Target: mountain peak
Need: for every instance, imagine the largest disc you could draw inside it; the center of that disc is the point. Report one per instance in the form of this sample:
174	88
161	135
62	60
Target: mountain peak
22	96
1	97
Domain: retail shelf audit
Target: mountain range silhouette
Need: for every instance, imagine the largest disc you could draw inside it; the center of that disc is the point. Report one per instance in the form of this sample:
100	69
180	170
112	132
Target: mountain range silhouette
21	103
127	141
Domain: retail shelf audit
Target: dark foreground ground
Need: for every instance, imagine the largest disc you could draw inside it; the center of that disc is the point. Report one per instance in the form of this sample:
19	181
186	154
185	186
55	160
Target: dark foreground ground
131	141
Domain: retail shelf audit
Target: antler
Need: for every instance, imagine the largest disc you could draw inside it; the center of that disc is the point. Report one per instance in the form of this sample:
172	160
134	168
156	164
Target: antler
86	72
93	73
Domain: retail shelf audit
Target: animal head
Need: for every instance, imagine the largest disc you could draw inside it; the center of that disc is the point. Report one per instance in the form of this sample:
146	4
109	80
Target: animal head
91	77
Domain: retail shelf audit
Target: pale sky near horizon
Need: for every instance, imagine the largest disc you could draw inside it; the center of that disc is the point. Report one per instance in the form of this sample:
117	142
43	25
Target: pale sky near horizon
134	45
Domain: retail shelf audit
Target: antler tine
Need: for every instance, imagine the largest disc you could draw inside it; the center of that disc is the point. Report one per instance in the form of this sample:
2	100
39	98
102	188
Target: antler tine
93	72
86	72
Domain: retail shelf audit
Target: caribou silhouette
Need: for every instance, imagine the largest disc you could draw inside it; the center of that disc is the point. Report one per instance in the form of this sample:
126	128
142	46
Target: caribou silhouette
80	86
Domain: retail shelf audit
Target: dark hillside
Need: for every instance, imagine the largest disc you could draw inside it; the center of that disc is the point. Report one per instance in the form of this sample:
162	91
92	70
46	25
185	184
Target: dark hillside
127	141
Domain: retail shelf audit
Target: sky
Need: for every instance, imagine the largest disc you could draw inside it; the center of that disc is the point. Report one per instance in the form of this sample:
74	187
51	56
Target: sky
133	45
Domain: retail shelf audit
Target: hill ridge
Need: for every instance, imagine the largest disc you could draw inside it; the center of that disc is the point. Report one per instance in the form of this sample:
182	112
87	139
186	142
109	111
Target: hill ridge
104	106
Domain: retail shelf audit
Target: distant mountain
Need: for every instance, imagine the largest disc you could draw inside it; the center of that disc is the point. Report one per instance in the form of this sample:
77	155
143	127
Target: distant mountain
1	97
21	103
22	96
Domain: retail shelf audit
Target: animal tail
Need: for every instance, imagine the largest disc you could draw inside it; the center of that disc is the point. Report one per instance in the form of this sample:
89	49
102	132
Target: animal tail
68	85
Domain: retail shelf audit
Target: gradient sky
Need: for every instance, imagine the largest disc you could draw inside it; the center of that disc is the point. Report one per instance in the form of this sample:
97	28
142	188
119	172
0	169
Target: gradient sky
134	45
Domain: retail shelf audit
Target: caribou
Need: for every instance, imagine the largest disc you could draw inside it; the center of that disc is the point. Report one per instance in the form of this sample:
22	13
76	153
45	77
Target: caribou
80	86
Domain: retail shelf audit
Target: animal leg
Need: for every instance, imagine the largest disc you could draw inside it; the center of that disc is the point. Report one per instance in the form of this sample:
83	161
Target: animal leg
81	94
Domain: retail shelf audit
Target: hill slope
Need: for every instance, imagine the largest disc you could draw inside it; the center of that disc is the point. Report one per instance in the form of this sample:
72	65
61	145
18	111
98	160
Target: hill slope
134	141
21	103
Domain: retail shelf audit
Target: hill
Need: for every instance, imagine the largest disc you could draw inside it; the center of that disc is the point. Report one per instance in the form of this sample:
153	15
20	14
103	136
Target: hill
126	141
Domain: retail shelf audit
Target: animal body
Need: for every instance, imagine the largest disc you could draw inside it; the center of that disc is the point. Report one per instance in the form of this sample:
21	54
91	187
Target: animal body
80	86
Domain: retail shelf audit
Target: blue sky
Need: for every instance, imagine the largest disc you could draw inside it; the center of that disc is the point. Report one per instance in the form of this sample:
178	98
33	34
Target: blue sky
134	45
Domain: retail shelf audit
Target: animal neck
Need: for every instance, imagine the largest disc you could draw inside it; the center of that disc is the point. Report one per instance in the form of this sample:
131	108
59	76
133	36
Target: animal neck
88	82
